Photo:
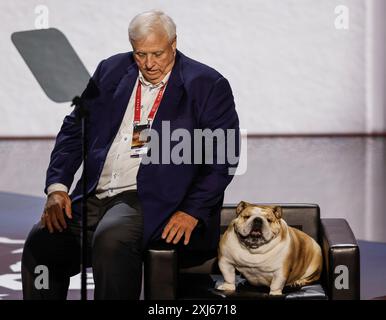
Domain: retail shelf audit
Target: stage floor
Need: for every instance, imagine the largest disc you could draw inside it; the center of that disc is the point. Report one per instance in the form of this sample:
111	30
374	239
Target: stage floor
19	212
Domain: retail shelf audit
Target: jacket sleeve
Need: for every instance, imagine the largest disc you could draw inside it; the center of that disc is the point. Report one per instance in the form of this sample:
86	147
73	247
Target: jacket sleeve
66	157
209	185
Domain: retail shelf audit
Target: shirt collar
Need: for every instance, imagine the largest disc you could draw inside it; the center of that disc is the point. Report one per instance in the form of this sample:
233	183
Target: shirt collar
153	86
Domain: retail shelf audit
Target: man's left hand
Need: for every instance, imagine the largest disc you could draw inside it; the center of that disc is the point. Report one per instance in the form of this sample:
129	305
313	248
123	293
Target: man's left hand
179	224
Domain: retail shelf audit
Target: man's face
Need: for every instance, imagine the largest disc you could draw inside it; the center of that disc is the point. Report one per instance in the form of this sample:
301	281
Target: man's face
154	56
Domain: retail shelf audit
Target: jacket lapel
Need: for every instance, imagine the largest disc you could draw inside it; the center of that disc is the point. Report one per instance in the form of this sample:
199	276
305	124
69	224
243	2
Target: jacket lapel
121	97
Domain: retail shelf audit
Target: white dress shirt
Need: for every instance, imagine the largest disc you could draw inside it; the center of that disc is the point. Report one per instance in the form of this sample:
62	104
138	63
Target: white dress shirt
120	170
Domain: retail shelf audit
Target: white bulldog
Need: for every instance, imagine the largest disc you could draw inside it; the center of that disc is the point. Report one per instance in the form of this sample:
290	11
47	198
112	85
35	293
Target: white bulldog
266	251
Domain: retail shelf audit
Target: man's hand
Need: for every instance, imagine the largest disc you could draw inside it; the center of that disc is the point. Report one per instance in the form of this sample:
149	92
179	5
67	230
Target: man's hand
53	216
179	224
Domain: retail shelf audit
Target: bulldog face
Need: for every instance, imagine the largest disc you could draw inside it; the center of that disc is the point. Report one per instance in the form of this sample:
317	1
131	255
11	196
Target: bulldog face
257	225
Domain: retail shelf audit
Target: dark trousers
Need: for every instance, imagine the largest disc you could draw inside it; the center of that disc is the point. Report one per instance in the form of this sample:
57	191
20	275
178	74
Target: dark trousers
115	228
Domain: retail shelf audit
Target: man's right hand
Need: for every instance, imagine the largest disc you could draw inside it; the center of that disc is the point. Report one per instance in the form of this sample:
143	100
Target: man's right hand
58	203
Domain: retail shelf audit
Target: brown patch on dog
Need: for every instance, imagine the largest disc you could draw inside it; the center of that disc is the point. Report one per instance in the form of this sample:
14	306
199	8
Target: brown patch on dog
241	206
302	256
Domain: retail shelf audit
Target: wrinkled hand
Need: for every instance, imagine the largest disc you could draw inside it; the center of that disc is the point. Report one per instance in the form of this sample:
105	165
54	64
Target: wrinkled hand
180	224
53	216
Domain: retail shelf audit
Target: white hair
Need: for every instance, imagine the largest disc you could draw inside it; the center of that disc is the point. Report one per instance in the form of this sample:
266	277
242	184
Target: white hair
151	21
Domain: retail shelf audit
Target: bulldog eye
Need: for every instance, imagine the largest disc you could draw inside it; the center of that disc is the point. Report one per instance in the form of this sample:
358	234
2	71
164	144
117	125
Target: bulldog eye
270	220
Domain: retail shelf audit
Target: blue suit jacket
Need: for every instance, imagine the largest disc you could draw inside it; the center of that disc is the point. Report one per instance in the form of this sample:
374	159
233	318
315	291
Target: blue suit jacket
196	96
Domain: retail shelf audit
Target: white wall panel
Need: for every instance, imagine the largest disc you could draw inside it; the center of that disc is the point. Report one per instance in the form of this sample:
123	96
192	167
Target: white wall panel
290	69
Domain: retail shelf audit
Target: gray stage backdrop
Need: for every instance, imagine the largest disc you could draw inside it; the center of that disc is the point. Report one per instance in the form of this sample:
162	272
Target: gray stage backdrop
292	68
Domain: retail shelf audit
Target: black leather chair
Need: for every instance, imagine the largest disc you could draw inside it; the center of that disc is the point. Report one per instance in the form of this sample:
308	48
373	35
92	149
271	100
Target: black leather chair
170	275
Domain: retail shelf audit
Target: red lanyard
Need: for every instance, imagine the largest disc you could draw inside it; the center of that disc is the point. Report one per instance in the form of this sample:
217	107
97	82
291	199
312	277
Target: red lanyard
137	108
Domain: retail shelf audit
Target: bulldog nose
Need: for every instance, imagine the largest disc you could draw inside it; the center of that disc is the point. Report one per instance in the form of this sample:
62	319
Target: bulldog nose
257	223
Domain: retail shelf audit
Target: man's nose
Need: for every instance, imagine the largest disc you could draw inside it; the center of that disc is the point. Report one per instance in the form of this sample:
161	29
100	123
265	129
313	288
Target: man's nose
149	62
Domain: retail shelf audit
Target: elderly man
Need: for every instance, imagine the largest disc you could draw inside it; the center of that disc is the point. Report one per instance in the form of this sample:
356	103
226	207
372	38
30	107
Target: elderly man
131	203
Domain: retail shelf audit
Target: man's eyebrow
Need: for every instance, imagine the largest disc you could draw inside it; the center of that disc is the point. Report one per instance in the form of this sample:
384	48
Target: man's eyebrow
140	51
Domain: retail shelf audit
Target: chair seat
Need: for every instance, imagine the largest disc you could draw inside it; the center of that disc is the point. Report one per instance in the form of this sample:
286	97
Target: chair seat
203	286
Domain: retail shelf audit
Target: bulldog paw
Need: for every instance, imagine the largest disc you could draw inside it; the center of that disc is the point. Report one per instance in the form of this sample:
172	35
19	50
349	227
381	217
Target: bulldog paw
298	283
227	287
275	292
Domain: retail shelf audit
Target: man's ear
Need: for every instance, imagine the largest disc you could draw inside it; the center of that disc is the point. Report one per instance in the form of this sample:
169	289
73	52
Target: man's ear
174	45
241	206
278	212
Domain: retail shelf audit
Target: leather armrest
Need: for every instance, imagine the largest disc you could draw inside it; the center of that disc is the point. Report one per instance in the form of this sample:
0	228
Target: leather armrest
160	272
341	260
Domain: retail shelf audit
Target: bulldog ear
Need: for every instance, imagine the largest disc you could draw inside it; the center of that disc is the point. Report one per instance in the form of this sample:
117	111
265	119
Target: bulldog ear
278	212
241	206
